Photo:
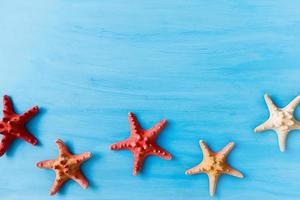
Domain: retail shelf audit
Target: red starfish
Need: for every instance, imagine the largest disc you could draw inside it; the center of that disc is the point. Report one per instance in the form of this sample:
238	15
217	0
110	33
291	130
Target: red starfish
12	125
142	143
66	166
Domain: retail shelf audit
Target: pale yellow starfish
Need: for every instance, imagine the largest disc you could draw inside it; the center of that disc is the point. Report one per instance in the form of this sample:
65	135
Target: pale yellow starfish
281	120
214	165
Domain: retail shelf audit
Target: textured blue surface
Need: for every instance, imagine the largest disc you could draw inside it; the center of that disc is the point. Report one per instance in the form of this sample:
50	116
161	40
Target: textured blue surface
204	65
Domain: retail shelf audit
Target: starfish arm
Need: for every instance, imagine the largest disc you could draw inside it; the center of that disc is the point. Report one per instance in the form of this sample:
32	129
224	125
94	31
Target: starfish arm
2	127
155	130
8	108
26	136
29	114
264	126
293	104
297	125
80	179
213	180
158	151
135	127
138	163
5	143
270	104
47	164
58	183
233	172
62	148
195	170
226	150
125	144
282	135
83	157
205	149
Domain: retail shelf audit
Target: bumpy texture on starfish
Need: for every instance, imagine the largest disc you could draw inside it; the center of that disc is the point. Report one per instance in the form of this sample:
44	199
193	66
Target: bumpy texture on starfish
214	165
12	125
66	166
142	143
281	120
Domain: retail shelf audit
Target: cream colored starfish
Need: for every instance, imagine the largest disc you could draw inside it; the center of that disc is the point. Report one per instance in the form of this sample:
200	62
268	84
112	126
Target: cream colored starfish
281	120
214	165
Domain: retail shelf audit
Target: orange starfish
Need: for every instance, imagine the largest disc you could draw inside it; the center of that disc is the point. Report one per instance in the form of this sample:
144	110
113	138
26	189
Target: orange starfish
142	143
66	166
12	125
214	165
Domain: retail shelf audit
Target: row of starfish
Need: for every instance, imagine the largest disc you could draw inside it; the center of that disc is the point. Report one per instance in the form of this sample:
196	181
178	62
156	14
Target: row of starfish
141	143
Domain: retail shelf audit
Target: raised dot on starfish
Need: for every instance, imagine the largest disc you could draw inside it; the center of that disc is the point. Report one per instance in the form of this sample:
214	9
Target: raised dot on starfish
66	167
281	120
13	126
142	143
214	165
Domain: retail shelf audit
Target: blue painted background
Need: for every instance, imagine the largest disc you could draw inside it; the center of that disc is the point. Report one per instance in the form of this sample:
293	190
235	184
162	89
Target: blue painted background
203	65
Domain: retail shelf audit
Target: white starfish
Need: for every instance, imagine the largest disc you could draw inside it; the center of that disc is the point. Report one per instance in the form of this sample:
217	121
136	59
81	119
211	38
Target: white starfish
281	120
